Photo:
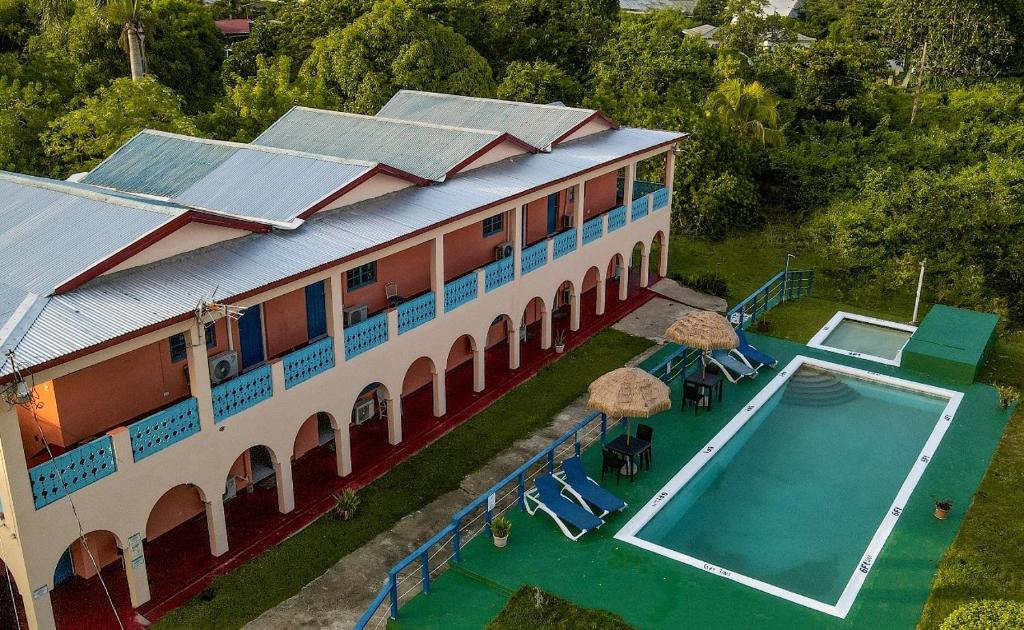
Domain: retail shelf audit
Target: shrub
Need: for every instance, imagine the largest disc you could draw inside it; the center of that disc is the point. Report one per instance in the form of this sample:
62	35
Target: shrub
990	614
710	283
500	527
1008	395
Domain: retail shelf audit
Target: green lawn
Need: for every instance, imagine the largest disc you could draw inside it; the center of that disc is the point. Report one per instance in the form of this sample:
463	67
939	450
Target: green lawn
279	573
533	608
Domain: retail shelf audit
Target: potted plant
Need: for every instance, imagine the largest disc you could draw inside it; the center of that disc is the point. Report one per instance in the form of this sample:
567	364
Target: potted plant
1007	395
942	508
560	341
500	527
346	504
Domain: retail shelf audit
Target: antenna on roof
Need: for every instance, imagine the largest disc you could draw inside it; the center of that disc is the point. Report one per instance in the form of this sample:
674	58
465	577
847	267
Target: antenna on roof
208	307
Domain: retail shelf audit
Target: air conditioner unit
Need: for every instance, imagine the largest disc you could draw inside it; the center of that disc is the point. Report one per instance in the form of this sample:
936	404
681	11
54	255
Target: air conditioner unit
354	314
223	366
618	272
503	251
568	220
363	412
230	488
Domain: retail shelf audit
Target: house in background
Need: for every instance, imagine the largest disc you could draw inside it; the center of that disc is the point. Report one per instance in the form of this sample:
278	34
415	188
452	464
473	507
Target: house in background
205	340
708	32
234	29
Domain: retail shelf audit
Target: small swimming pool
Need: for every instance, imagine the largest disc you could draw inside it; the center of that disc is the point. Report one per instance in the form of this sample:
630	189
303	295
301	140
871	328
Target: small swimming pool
798	493
865	337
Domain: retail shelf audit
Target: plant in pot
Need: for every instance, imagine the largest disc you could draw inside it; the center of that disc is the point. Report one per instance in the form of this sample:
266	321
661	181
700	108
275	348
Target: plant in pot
942	508
1008	395
346	504
500	527
560	341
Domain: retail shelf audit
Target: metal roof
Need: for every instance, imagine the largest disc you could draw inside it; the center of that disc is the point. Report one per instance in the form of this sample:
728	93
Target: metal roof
252	182
427	150
538	125
124	302
640	6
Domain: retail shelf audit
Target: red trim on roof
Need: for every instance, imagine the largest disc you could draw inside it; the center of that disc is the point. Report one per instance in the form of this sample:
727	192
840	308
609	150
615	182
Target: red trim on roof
505	137
198	216
582	123
380	169
234	26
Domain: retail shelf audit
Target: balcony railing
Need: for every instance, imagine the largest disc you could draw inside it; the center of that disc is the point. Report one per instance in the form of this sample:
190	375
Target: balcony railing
639	208
74	470
307	362
365	335
416	312
241	393
660	198
459	291
535	256
643	188
165	427
616	219
499	273
565	243
593	230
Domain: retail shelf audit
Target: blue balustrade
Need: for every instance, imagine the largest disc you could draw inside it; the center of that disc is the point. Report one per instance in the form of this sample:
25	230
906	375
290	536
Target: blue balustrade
72	471
498	273
416	312
639	208
565	242
616	219
165	427
459	291
593	230
534	257
643	188
307	362
660	198
367	334
242	392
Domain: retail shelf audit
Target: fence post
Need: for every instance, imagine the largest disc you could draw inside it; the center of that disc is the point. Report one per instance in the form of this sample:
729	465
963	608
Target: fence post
394	595
521	492
576	442
604	427
425	571
810	282
551	461
457	540
487	521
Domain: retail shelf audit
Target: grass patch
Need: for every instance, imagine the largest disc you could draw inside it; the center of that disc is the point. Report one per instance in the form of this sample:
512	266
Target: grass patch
532	608
280	572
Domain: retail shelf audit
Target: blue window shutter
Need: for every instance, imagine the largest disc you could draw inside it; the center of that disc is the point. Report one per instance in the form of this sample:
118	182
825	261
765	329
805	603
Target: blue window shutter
316	310
250	333
552	213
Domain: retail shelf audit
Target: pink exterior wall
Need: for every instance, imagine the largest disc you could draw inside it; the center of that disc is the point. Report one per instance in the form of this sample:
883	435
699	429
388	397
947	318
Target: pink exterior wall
178	505
103	546
409	268
601	193
284	320
462	351
308	437
467	249
497	333
419	374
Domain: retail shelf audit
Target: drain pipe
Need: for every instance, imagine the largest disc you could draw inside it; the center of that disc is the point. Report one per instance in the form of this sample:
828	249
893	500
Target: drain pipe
917	300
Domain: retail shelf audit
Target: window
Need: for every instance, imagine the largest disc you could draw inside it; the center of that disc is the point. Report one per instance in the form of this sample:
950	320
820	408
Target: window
361	276
494	225
178	348
211	334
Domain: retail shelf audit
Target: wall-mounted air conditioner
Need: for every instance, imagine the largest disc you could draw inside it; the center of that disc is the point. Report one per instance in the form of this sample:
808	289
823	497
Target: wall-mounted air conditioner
363	411
230	488
223	366
568	220
503	251
354	314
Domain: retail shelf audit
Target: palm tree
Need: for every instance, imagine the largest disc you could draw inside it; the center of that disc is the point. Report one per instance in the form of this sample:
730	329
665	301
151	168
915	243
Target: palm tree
748	109
125	12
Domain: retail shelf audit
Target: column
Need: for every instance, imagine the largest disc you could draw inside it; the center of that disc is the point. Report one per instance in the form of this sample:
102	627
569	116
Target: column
670	172
135	569
624	276
602	286
285	489
394	419
627	191
513	346
335	309
545	329
38	610
199	374
479	365
437	277
578	211
440	398
645	260
574	311
663	254
216	525
516	218
343	447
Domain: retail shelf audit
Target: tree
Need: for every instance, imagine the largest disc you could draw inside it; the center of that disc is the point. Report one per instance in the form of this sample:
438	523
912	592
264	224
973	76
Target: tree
360	67
945	38
539	82
83	137
710	12
186	51
17	23
25	111
745	28
81	51
748	109
125	13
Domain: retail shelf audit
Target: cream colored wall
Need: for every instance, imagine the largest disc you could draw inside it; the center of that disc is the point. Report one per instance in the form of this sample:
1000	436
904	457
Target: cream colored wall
206	458
379	184
190	237
503	151
592	127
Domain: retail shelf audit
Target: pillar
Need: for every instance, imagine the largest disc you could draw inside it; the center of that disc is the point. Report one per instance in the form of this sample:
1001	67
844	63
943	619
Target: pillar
335	310
285	488
545	329
578	211
663	257
216	526
513	347
135	570
479	365
670	172
645	260
627	191
602	286
516	219
440	397
574	311
199	374
343	447
437	277
624	278
395	420
38	610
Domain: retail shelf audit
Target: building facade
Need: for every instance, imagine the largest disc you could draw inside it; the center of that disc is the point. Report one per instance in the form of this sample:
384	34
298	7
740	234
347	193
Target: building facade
210	313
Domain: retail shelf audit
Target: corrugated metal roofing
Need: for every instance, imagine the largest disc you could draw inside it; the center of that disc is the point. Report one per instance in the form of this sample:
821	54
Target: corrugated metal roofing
262	183
640	6
121	303
538	125
427	150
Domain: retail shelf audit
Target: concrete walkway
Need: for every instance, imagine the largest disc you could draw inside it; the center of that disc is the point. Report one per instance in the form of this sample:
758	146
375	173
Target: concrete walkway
339	597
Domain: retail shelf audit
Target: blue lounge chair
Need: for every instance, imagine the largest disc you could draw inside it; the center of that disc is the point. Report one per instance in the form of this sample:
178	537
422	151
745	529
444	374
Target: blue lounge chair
731	365
750	355
564	512
588	492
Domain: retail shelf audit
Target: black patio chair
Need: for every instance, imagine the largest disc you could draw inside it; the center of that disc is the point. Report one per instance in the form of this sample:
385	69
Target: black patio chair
692	393
612	461
645	432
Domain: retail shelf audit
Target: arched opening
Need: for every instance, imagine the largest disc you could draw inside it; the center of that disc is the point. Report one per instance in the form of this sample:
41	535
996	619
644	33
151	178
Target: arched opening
12	608
616	273
178	535
534	330
257	492
318	456
464	371
423	397
75	580
501	351
658	256
376	424
638	266
564	312
592	296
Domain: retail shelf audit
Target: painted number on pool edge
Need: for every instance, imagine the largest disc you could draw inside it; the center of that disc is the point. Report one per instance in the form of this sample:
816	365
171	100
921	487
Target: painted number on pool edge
925	459
710	568
708	449
896	511
865	564
659	498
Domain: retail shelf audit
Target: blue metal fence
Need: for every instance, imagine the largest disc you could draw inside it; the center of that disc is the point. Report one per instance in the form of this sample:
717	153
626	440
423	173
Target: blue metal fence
156	432
783	286
241	393
72	471
459	291
498	273
534	257
307	362
367	334
593	230
616	219
416	312
565	243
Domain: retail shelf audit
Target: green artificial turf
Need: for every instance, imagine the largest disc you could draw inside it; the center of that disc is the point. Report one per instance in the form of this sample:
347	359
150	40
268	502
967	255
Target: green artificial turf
280	572
533	608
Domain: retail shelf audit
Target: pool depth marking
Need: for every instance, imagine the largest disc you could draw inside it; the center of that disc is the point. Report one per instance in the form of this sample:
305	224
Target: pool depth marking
841	608
818	340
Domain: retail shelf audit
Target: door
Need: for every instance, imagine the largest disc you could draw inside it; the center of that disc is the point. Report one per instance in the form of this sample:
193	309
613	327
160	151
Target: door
316	311
250	333
65	568
552	213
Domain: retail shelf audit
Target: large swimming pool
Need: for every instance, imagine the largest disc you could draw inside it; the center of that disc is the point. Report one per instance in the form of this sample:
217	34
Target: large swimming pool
865	337
798	493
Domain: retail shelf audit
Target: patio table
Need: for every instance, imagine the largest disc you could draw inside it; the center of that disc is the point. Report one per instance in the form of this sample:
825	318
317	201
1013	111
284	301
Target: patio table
630	447
709	382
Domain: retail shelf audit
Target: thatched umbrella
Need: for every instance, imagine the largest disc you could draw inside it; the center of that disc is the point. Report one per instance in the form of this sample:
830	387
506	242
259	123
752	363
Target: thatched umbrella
705	331
629	392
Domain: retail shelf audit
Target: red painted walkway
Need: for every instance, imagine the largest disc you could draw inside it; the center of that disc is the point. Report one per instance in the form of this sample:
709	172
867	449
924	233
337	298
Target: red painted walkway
179	563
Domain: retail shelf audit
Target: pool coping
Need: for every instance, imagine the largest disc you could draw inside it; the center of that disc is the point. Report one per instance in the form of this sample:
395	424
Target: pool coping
818	340
628	533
